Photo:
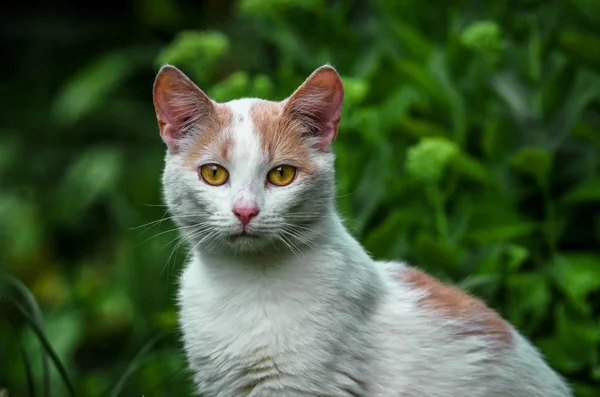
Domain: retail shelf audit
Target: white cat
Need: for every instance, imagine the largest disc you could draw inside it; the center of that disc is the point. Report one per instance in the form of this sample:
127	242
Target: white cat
278	299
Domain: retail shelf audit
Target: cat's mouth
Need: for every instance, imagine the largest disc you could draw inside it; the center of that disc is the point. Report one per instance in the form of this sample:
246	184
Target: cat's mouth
243	234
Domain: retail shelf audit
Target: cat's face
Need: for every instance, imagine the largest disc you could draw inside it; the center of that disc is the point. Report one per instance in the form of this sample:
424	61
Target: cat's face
250	174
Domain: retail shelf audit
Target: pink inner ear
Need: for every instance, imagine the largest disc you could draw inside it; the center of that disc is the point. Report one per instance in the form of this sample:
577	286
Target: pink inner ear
180	105
318	105
167	133
332	117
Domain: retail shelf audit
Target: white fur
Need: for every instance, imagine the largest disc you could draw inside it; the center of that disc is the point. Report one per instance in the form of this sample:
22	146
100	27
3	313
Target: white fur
314	315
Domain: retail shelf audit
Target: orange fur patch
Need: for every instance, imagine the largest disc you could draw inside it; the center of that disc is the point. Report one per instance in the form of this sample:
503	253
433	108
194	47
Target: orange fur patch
455	303
280	137
215	136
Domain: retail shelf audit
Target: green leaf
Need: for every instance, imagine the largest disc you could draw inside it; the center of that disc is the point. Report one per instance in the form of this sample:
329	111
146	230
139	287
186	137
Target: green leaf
388	239
273	7
529	299
585	91
516	255
415	72
587	191
449	93
578	275
64	329
471	168
418	129
393	111
516	95
576	343
494	219
94	174
89	88
20	225
411	39
370	191
499	233
493	138
534	162
199	52
589	7
435	252
581	46
473	283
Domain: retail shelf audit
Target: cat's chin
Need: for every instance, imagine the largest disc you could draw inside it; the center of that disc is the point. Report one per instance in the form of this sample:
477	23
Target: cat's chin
247	242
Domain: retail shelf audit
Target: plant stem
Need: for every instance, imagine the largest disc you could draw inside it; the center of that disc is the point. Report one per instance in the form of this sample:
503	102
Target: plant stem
550	224
437	199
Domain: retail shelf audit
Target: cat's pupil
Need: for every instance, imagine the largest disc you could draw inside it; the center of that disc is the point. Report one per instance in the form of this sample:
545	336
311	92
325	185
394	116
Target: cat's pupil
214	170
280	170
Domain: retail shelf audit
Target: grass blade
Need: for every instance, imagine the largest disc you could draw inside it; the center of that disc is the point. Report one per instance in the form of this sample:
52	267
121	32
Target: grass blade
163	381
36	313
27	368
134	365
25	358
46	344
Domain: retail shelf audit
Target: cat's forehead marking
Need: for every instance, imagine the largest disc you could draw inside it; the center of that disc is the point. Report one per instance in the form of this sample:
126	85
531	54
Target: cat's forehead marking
452	302
246	148
280	137
215	136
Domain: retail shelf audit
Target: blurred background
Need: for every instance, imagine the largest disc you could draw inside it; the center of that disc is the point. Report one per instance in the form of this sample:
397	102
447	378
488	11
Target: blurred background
469	146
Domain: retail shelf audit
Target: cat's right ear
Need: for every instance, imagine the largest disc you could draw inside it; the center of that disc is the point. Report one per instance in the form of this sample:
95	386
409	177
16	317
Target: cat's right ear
179	104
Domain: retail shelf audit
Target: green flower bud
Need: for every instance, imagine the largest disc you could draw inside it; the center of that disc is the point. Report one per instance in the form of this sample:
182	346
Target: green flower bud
428	159
483	37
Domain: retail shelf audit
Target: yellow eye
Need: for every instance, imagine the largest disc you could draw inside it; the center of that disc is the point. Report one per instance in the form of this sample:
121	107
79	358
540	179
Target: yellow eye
214	174
282	175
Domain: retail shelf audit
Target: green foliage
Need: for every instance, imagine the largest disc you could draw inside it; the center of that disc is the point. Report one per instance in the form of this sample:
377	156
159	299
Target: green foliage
469	146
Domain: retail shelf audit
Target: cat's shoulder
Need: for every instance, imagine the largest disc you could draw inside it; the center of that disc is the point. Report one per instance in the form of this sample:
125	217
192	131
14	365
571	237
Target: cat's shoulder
449	305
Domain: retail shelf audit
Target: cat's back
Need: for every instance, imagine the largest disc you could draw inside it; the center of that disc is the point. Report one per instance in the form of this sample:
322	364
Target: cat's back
441	341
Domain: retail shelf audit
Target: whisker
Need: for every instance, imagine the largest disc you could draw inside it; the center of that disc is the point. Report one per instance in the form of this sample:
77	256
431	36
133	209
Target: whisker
182	240
282	239
300	238
348	194
304	228
152	222
167	231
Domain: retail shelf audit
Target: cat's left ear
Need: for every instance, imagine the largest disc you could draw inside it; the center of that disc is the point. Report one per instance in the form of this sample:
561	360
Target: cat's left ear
317	105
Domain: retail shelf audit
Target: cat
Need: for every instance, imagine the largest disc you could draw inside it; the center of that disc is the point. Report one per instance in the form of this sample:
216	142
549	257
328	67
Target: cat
278	299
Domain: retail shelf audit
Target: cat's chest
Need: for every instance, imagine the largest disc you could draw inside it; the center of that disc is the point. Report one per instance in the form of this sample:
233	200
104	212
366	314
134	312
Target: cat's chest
252	336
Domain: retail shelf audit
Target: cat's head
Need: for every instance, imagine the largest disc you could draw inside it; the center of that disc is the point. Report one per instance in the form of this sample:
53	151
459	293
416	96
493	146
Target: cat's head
249	174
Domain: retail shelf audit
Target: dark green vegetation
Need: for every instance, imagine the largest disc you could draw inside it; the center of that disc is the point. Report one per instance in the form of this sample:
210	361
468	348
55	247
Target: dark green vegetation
469	146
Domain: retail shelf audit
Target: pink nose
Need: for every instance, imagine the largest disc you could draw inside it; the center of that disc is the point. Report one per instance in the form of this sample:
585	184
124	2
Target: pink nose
245	214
